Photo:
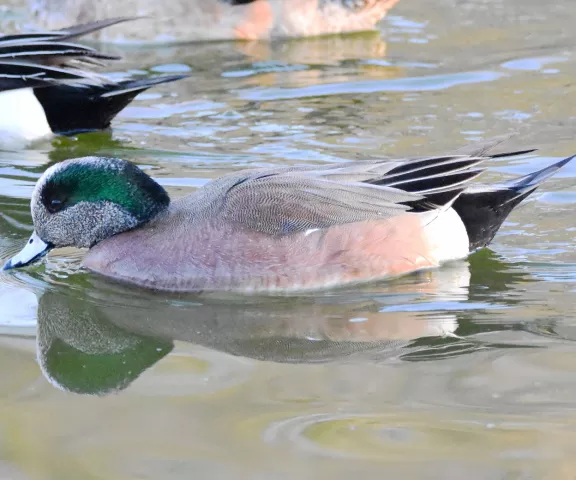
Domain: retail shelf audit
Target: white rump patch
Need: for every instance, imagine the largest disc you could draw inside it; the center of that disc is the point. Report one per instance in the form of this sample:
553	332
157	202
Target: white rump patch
446	235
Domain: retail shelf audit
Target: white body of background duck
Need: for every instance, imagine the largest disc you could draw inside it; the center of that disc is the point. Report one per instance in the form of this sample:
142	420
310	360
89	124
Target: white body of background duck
47	87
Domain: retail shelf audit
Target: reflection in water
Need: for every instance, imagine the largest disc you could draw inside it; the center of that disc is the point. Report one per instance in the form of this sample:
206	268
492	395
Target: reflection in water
80	351
98	339
328	50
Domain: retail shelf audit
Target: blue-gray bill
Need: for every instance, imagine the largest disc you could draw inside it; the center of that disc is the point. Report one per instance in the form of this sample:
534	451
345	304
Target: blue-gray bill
35	248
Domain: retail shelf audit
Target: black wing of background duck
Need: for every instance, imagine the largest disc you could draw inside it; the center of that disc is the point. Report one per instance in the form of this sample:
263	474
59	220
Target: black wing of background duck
46	74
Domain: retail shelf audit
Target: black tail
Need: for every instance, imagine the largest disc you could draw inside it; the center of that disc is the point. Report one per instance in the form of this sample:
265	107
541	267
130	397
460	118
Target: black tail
73	109
483	208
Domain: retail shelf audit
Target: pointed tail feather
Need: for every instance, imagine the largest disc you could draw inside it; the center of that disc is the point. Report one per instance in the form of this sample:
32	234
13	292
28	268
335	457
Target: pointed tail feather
483	149
532	180
512	154
483	209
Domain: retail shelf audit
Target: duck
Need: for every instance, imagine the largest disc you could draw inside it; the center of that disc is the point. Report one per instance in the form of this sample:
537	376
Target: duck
48	87
208	20
276	230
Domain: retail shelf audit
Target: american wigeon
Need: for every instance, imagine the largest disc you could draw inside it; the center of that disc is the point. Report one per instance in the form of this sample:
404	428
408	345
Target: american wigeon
274	230
46	86
200	20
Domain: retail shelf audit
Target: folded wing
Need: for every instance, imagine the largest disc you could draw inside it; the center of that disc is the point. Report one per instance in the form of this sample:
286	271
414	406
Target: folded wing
294	199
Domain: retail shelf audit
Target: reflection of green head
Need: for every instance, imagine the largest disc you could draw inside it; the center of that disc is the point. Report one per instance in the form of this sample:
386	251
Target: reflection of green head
80	351
80	372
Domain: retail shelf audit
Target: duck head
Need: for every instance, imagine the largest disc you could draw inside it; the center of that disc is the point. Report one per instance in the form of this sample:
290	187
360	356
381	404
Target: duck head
83	201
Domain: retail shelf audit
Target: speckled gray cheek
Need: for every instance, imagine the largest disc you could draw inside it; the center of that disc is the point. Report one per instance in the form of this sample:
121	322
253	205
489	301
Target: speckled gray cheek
82	225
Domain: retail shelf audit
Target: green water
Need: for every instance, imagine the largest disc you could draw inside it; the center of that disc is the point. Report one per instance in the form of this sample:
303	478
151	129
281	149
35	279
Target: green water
463	372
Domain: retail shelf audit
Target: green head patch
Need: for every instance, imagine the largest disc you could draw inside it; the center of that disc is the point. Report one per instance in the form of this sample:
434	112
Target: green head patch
93	179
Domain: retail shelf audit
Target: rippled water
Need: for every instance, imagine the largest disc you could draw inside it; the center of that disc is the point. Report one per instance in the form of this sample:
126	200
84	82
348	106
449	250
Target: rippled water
463	372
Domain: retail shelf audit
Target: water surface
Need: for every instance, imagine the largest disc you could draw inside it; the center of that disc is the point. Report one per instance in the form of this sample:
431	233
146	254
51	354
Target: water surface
463	372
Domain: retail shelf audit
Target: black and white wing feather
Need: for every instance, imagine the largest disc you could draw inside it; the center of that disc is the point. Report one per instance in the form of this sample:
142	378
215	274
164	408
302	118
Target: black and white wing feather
48	58
72	96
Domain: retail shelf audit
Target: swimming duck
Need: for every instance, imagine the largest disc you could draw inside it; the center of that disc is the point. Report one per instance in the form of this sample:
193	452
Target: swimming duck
201	20
272	230
46	88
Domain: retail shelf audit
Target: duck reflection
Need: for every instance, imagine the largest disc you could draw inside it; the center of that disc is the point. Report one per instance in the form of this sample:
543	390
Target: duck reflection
80	351
327	50
99	338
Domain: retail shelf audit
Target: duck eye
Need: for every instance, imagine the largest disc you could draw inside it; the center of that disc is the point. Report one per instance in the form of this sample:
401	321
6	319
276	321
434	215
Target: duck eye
55	205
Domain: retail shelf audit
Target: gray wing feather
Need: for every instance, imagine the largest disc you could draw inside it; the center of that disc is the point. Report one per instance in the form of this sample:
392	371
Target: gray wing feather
288	200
